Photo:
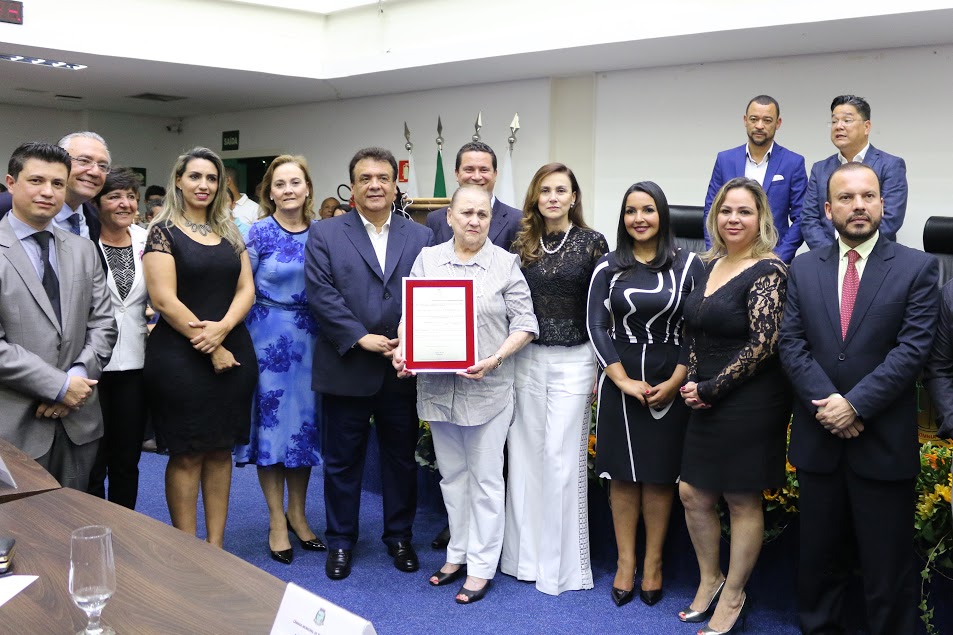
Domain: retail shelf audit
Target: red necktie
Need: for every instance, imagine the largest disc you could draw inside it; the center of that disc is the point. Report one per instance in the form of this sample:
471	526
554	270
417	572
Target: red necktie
849	292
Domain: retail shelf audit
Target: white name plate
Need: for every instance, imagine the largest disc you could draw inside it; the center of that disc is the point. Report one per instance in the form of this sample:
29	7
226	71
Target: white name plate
304	613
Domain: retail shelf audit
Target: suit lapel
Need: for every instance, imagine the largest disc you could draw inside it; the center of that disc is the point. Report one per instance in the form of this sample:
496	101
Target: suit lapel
777	153
395	246
497	222
66	263
875	273
827	283
740	158
13	251
872	158
357	234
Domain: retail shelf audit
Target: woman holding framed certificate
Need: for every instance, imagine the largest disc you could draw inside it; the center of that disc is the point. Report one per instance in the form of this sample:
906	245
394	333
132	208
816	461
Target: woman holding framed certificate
470	411
547	518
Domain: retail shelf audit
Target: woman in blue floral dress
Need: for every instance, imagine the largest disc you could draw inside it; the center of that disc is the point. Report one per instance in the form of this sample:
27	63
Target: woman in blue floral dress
285	427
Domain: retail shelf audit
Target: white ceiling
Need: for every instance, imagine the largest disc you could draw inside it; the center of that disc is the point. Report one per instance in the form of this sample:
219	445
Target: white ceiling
109	81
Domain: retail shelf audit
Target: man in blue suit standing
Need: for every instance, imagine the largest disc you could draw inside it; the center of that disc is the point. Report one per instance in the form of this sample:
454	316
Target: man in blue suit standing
780	172
858	327
354	266
476	165
850	130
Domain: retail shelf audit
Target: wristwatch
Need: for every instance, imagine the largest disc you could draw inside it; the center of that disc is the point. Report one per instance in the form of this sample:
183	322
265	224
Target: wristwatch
499	360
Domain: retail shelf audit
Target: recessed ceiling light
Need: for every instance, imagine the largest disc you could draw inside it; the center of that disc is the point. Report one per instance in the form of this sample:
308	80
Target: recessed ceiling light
39	61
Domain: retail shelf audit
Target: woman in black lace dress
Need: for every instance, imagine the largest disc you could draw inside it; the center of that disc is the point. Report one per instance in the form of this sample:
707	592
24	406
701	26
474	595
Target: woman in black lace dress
200	365
739	396
546	538
635	320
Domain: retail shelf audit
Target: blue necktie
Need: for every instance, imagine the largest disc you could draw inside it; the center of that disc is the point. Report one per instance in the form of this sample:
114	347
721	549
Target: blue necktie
74	224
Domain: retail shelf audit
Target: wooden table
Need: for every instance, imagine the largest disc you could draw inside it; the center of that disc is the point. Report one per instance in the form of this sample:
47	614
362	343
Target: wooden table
167	581
30	477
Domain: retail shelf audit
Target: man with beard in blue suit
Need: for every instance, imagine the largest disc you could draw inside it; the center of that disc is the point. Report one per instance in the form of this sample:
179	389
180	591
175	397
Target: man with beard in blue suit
780	172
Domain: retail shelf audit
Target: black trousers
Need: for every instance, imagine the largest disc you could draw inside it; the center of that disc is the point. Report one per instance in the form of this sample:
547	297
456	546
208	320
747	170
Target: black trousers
346	430
844	517
122	397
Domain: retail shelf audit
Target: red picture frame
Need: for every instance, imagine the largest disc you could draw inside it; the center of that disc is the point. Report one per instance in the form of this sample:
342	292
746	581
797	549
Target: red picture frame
413	362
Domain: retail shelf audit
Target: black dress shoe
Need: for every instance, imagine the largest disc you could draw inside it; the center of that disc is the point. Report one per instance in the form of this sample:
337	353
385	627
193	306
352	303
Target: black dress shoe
405	558
284	557
621	597
310	545
338	565
472	596
442	539
651	597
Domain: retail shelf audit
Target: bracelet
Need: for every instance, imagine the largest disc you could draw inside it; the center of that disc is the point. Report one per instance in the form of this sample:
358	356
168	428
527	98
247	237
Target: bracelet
499	360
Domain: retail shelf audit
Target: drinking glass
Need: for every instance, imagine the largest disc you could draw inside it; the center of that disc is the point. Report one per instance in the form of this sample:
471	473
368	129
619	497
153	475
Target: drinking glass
92	574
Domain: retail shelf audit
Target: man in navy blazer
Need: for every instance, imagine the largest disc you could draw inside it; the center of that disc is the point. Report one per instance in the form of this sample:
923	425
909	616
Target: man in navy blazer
850	131
90	165
854	442
354	266
780	172
476	165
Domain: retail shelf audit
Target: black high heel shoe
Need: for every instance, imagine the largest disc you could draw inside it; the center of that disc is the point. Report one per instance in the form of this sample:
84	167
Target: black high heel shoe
740	621
622	597
310	545
285	556
690	616
651	598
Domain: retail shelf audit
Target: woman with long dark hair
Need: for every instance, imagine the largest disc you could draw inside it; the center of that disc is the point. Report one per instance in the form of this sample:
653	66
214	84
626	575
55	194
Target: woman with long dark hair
547	521
635	322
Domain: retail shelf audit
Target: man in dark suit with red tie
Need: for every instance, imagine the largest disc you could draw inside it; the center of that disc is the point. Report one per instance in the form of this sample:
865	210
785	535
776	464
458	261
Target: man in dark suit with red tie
858	326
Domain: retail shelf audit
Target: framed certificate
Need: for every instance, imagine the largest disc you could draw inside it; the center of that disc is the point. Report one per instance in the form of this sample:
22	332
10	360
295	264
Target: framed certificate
440	334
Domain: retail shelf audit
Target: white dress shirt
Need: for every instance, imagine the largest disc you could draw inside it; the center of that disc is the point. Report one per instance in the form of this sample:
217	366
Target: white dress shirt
246	210
61	220
378	239
858	158
755	170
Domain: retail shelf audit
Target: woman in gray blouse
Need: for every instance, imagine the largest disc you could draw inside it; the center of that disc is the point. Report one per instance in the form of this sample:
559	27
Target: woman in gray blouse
470	413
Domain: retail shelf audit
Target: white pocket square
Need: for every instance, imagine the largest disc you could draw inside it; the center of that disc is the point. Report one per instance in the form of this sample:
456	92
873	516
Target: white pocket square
777	177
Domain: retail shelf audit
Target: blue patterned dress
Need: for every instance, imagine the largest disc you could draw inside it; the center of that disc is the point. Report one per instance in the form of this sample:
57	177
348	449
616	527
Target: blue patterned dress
285	417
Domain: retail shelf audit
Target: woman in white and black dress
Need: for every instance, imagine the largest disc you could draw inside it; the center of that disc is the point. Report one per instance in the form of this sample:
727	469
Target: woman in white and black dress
635	322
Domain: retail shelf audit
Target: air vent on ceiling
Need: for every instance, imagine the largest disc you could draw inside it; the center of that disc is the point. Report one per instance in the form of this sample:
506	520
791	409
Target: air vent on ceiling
72	98
156	97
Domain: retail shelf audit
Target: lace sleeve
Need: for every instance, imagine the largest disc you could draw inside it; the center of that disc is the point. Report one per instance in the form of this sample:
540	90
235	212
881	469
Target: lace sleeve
597	249
159	240
765	306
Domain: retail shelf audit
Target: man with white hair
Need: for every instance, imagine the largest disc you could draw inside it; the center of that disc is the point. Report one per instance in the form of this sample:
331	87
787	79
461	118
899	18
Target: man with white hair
91	163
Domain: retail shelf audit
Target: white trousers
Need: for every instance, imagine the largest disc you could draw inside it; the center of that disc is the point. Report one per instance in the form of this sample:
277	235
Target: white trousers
547	515
470	459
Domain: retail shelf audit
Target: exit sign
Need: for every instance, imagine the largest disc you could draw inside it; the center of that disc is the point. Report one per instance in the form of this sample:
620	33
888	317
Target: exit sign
11	12
230	140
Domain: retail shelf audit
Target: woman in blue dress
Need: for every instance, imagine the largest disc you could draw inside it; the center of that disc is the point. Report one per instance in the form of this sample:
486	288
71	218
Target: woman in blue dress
285	427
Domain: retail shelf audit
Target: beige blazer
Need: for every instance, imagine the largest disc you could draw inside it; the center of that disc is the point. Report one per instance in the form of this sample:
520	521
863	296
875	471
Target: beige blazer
36	352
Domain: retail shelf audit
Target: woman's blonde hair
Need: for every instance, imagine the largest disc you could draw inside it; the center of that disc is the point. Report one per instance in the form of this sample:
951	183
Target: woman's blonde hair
767	237
267	206
532	225
219	217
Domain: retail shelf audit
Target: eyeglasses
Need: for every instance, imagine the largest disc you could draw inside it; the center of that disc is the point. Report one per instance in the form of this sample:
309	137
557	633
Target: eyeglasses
89	163
847	121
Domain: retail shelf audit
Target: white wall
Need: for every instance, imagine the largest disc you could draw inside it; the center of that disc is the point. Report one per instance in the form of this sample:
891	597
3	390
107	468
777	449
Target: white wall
134	140
667	124
329	133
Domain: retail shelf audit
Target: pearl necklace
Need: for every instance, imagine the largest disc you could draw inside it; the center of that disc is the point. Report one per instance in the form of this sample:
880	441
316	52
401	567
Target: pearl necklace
558	247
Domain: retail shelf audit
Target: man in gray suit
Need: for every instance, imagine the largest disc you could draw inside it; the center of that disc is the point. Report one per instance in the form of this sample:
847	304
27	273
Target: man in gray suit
57	328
